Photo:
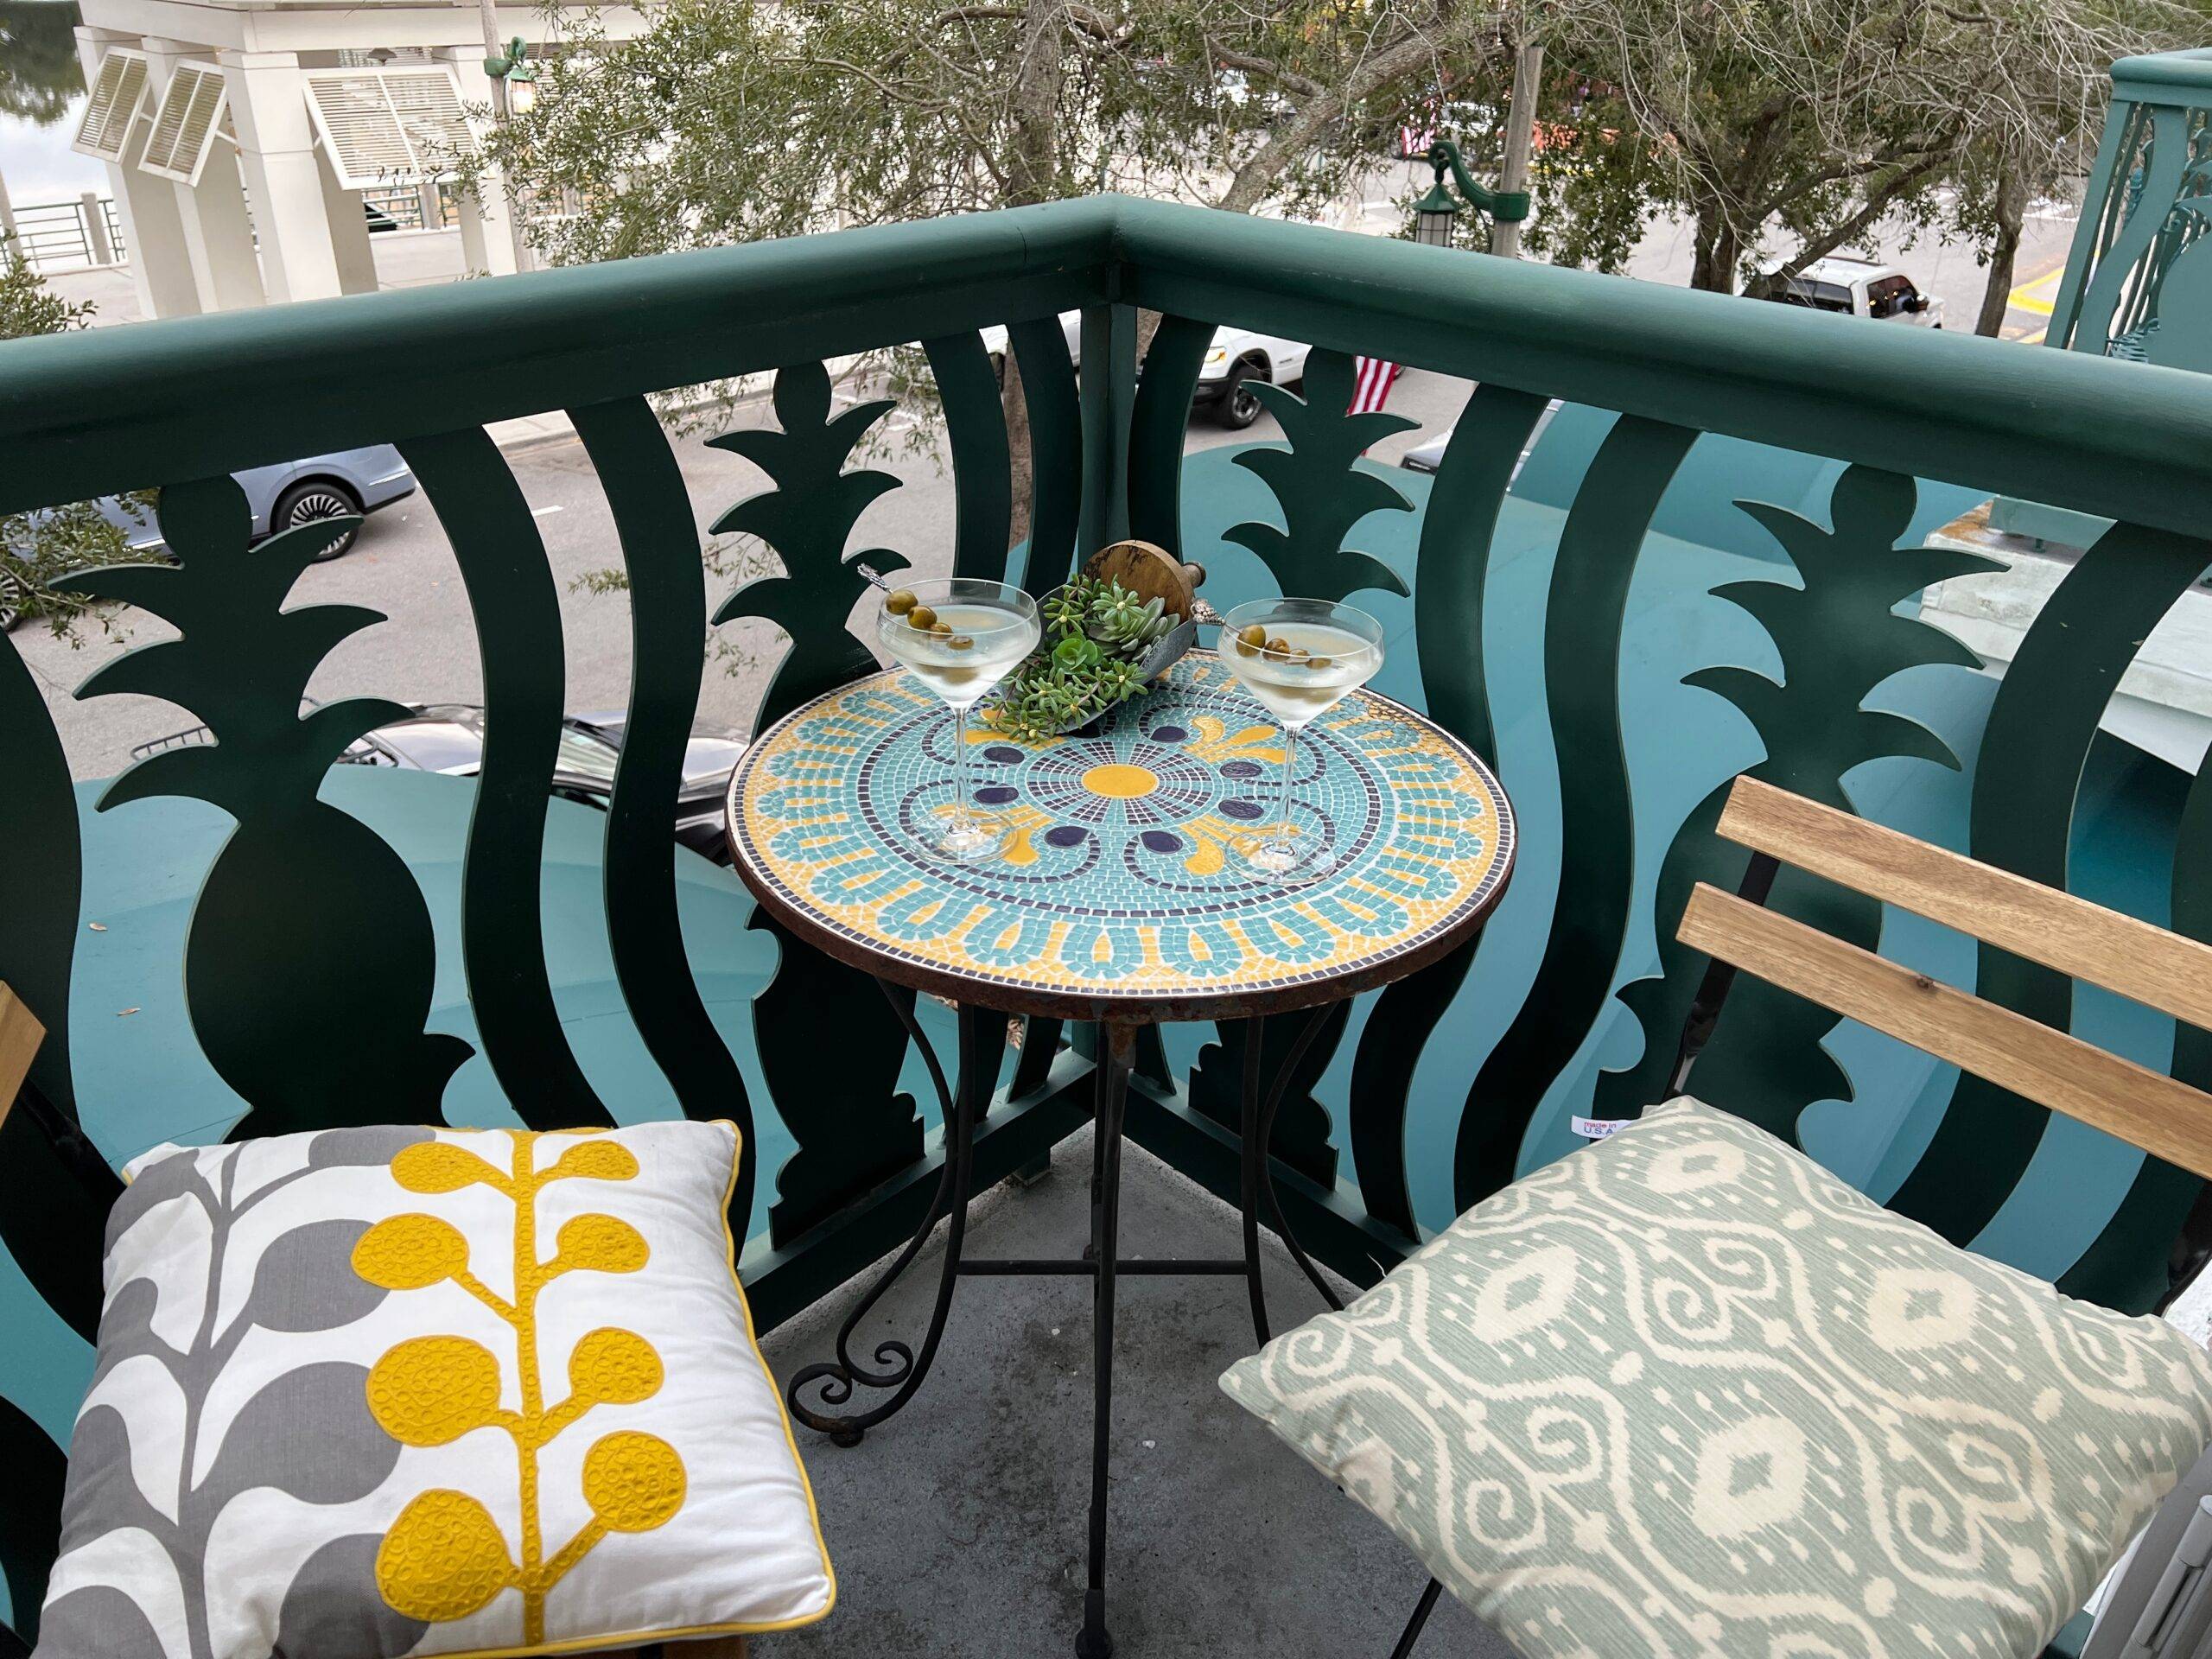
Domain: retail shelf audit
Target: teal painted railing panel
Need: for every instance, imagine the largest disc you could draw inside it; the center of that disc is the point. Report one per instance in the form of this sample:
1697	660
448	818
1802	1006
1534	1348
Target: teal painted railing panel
1660	600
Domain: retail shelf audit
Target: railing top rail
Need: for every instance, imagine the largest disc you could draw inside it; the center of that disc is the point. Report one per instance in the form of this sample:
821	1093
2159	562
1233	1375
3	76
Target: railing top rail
2123	440
124	408
2155	75
105	410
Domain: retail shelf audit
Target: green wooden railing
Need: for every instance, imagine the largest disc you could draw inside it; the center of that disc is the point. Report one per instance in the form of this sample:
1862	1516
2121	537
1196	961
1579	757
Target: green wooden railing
2148	202
309	923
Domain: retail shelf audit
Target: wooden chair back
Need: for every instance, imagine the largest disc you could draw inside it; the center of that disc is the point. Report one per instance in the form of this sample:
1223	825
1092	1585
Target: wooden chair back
2161	969
20	1035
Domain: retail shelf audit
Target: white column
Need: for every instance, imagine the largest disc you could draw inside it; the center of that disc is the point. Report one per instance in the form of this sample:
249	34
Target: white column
153	227
349	232
487	241
218	237
299	259
100	248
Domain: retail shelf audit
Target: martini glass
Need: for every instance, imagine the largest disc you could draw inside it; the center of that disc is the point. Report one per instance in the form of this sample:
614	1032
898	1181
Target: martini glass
1299	658
960	635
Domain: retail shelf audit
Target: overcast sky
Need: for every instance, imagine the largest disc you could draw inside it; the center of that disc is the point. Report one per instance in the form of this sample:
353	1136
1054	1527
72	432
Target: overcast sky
40	166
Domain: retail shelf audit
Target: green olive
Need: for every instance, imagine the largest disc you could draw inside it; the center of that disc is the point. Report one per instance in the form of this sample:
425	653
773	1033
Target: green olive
920	616
1318	662
962	642
899	601
1254	638
1278	648
941	630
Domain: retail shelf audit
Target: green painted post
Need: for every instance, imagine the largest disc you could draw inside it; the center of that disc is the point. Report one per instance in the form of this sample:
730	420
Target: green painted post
1109	390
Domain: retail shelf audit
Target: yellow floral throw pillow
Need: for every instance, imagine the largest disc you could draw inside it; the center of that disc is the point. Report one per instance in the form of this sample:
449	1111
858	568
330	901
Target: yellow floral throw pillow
377	1392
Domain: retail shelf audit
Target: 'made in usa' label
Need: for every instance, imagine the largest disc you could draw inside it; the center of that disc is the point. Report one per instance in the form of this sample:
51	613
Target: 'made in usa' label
1597	1129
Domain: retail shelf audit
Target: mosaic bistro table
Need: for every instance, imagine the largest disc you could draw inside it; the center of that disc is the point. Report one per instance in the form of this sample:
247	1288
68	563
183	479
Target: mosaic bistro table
1118	898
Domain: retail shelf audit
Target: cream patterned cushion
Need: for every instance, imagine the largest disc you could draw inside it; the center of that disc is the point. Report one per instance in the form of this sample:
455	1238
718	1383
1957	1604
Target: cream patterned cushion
377	1392
1685	1393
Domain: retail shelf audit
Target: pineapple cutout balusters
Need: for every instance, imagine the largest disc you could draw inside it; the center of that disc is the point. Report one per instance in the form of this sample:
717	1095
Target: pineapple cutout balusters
1839	639
311	945
1319	488
806	520
864	1129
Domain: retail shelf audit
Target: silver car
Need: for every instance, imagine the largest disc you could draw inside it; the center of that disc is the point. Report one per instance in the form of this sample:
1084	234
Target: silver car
347	484
352	483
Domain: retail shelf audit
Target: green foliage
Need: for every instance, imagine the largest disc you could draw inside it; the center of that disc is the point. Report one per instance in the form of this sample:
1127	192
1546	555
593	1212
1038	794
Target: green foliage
1794	128
1097	637
38	71
38	549
731	121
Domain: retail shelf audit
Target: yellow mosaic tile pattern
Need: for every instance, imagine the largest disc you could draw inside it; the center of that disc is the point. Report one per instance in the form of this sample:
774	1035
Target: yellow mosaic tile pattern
1118	877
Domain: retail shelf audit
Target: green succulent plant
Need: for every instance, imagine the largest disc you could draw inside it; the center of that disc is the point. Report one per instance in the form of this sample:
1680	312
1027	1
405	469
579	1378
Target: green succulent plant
1121	622
1097	637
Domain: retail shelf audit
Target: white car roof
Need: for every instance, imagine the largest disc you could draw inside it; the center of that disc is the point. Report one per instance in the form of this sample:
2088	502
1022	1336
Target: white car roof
1842	268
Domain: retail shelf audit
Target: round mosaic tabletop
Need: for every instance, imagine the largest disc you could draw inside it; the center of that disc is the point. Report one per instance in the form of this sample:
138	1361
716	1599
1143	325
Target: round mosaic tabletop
1119	893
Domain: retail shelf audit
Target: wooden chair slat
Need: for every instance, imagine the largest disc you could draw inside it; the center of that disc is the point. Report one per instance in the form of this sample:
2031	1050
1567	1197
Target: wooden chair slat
2052	1068
20	1035
2154	967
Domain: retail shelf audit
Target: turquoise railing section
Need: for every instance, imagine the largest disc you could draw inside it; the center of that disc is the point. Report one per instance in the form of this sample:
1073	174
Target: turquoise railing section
2132	288
1564	627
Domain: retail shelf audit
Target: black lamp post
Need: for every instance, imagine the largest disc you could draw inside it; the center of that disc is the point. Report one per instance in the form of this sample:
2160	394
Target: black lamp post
1434	213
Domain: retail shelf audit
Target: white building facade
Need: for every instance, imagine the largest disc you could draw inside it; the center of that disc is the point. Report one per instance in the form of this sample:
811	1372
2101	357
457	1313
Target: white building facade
239	135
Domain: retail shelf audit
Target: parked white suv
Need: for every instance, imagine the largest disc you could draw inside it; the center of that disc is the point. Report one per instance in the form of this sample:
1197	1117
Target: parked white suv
1861	288
1236	358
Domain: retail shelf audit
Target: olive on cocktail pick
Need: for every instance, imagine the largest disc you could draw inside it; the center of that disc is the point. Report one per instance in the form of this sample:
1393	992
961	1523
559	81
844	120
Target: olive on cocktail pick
1317	662
941	630
899	601
1252	638
1278	647
961	642
920	616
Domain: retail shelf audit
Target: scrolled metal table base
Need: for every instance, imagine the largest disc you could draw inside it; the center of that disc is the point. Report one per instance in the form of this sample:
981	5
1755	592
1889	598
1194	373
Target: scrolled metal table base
902	1370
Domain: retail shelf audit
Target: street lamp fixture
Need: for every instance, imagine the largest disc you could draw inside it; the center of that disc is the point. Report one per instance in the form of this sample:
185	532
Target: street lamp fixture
514	67
1435	212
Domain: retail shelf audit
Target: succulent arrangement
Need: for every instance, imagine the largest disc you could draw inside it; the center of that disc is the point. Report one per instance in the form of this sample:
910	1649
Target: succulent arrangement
1097	637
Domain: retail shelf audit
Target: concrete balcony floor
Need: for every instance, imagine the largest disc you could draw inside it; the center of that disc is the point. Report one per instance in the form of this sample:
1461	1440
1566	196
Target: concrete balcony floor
958	1528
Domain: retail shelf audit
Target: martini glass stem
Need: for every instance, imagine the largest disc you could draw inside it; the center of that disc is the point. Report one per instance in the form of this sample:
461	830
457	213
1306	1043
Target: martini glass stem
961	815
1284	829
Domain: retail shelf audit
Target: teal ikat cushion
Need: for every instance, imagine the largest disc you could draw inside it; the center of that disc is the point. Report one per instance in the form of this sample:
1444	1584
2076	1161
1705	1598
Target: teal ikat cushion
1685	1393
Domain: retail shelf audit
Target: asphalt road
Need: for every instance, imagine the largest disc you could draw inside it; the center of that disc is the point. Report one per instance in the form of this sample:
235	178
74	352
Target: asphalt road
426	650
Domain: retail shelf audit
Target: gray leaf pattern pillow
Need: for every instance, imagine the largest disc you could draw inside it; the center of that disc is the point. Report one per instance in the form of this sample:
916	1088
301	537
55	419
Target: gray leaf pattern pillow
136	1500
1686	1393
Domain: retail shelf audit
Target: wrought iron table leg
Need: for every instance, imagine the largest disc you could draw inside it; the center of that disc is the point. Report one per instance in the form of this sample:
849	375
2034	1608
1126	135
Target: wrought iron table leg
1255	1176
902	1369
1422	1608
1110	1084
1249	1167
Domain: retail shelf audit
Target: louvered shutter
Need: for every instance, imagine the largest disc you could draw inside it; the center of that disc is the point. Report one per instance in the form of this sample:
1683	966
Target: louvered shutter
118	88
393	125
185	128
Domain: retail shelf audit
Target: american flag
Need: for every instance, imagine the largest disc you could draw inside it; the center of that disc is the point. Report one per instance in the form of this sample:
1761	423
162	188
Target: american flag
1372	378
